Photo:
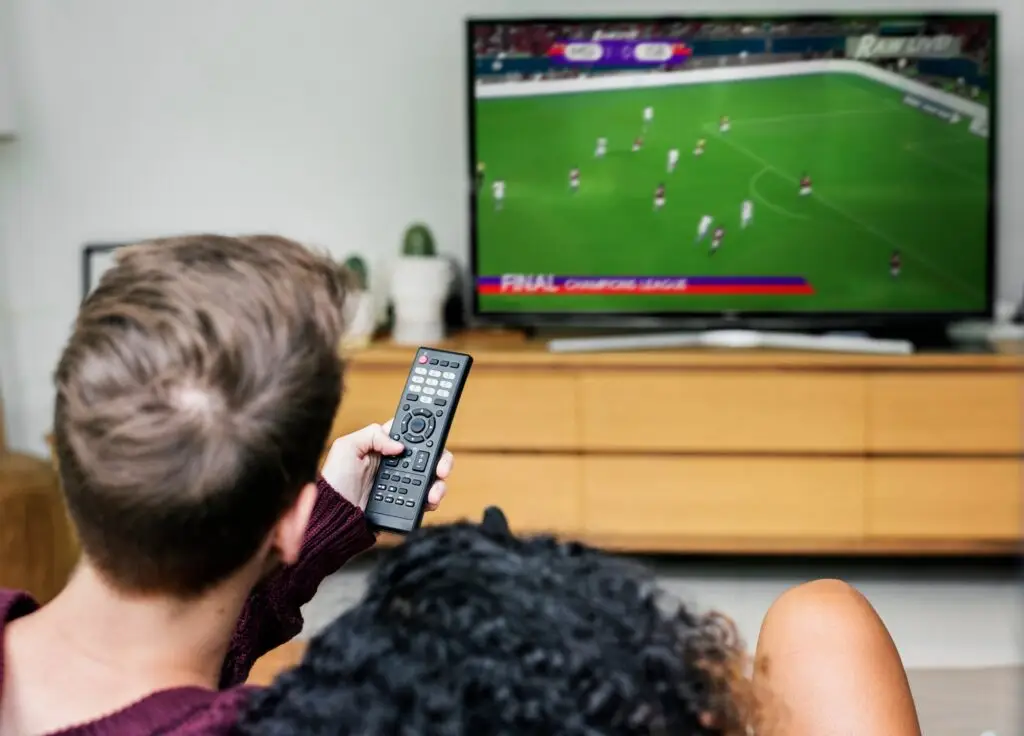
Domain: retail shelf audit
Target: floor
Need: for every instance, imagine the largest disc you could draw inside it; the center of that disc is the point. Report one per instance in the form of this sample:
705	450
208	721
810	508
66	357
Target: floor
959	626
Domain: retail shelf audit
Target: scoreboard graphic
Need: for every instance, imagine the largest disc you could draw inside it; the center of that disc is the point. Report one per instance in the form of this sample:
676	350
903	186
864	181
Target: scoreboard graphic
619	53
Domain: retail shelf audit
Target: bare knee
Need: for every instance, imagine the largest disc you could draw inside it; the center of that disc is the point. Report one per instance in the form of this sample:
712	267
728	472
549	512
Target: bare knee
809	608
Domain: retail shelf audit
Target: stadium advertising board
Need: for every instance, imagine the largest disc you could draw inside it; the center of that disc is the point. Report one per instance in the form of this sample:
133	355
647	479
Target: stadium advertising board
906	47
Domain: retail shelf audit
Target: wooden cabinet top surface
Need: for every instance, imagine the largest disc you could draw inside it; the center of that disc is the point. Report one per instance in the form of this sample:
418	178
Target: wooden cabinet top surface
503	349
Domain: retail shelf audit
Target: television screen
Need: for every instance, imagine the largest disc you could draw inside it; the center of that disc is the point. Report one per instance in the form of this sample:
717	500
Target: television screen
755	166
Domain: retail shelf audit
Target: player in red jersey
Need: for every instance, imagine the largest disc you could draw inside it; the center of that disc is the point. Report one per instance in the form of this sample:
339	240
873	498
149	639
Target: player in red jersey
638	144
659	197
805	185
716	239
895	264
574	179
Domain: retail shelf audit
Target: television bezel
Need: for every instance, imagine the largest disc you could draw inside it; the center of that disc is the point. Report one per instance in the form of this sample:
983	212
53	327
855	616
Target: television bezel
705	319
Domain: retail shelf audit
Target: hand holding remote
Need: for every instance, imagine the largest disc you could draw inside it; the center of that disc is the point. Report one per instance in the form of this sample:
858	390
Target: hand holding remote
353	461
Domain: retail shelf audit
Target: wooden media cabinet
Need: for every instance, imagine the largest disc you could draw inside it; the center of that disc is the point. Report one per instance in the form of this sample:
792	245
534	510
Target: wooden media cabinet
728	451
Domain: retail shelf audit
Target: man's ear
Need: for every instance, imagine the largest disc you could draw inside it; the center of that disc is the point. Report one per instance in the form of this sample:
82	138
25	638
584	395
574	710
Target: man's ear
290	530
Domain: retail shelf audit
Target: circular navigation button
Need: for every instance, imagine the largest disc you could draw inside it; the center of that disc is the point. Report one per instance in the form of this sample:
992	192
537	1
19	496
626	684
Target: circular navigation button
417	425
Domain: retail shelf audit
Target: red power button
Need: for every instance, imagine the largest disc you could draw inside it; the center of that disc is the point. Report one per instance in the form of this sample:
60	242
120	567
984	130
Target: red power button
423	359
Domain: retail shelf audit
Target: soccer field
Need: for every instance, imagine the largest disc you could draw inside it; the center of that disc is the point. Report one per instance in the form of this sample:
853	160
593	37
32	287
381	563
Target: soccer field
886	177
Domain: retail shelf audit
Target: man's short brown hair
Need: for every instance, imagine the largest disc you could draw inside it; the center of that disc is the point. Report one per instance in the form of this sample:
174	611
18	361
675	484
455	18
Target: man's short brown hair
194	399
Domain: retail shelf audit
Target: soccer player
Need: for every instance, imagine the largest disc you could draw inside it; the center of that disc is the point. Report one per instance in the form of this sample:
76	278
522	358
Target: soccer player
703	226
602	148
638	144
673	159
659	197
723	124
498	190
481	170
895	264
574	179
699	150
648	117
746	213
805	185
716	239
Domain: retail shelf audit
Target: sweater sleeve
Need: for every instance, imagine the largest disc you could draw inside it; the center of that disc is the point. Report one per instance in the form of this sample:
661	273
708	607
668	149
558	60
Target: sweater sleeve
337	532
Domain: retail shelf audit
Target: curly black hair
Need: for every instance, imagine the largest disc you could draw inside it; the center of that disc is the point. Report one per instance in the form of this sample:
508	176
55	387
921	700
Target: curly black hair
467	630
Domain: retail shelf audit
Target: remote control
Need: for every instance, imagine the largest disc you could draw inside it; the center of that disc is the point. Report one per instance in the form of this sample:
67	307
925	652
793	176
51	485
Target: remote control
429	399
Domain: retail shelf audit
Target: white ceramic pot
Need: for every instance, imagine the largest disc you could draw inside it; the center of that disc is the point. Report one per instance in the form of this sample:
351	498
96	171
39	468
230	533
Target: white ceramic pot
419	287
360	319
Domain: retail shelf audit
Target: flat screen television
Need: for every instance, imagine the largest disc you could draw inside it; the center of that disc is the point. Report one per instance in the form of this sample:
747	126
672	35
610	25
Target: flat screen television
791	171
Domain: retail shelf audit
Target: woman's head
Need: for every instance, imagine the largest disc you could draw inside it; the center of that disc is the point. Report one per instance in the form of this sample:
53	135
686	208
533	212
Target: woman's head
466	630
194	398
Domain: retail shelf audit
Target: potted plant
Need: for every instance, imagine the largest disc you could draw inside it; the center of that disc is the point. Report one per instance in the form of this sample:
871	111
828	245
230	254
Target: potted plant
420	282
360	319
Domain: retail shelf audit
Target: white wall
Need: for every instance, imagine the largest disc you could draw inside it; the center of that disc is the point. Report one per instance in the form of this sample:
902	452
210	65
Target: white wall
332	121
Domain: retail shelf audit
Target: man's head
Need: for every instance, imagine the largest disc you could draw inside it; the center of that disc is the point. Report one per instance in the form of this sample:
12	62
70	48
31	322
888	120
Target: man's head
194	398
466	630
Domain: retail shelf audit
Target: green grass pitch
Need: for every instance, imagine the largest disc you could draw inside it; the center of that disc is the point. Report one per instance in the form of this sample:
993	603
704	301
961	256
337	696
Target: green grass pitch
886	177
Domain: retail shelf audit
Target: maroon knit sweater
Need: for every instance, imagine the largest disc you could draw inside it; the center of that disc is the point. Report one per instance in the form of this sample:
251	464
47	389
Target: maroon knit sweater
337	531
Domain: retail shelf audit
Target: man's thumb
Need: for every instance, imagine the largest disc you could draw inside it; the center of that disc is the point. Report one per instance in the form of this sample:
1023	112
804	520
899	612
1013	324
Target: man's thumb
375	439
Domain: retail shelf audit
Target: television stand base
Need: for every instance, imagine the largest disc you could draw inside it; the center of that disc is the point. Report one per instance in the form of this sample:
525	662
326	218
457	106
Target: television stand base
733	339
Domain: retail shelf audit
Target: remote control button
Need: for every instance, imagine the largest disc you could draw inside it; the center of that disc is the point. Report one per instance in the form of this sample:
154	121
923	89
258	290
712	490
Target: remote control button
444	363
403	491
406	452
443	393
404	426
406	479
426	400
381	487
420	412
392	489
410	397
417	379
416	425
448	375
389	499
415	389
391	462
417	482
437	402
420	371
430	443
446	384
378	497
433	361
395	436
405	464
422	359
432	381
434	374
429	391
431	426
385	476
453	364
439	412
405	407
420	464
413	438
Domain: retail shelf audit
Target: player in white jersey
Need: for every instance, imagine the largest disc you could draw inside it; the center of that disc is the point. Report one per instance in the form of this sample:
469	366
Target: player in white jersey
699	150
673	159
498	190
723	124
602	148
704	226
659	197
746	213
648	117
716	239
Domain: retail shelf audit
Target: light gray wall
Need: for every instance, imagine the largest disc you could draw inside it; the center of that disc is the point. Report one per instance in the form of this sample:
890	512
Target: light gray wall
330	121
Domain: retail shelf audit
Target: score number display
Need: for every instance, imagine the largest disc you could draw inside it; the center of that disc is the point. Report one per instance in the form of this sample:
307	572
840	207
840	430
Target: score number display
619	53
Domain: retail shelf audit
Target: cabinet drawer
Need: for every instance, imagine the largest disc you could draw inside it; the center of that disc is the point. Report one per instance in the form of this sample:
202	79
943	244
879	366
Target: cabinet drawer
499	409
946	498
537	493
752	411
945	412
730	498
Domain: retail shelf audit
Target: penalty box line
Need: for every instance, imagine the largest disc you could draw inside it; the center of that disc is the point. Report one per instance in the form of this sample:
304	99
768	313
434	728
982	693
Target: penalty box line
960	285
